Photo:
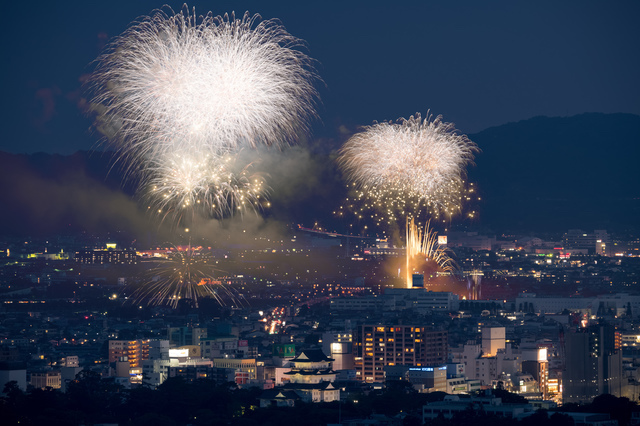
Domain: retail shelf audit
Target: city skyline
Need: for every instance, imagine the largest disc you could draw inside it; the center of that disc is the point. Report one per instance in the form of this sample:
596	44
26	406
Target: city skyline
400	213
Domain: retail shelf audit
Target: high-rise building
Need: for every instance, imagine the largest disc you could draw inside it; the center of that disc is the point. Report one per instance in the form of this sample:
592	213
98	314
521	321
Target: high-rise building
491	360
388	345
158	349
593	364
432	378
185	336
594	242
339	346
493	338
134	350
535	363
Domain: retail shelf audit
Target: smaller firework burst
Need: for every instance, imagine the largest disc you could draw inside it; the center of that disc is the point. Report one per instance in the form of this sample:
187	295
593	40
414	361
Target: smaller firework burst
185	274
408	168
423	246
185	183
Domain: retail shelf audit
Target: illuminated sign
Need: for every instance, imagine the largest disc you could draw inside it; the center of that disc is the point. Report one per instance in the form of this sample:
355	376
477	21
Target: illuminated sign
442	239
178	353
284	350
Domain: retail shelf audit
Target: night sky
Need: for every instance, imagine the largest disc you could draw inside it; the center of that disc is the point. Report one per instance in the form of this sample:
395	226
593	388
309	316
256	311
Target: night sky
479	64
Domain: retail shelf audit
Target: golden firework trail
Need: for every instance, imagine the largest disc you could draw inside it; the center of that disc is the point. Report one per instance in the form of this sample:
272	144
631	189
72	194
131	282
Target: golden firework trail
423	245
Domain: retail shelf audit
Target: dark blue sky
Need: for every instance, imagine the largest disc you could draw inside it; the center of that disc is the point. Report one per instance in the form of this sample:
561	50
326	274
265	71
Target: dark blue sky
479	64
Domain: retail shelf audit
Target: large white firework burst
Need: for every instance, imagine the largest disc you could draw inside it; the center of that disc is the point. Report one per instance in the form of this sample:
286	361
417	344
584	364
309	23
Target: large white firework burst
409	166
178	95
175	78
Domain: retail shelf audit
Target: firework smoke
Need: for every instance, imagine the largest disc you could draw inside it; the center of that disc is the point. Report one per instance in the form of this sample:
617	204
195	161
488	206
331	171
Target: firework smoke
409	167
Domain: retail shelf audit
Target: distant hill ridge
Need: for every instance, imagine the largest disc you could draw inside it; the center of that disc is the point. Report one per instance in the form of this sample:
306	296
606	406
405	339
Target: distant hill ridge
541	174
560	172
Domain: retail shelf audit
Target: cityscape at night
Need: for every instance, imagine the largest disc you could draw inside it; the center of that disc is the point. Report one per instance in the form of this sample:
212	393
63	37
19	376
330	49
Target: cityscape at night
245	213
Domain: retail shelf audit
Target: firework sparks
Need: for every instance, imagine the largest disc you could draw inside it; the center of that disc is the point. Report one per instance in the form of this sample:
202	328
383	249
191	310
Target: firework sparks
406	168
172	79
177	94
423	246
186	274
193	182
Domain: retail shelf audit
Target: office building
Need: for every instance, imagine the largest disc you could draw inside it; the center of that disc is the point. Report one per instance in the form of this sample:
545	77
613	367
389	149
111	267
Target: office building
383	345
185	336
593	363
134	350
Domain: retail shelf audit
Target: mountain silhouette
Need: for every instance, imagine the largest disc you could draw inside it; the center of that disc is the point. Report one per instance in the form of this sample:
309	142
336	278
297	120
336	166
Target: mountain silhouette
538	175
552	174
